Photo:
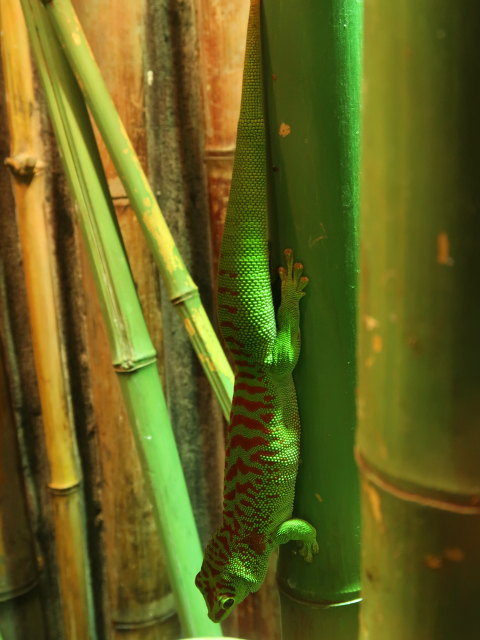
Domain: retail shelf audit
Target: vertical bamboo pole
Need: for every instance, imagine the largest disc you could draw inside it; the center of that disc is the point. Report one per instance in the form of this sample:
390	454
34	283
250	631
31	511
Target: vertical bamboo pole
133	355
313	78
27	169
419	379
21	613
222	27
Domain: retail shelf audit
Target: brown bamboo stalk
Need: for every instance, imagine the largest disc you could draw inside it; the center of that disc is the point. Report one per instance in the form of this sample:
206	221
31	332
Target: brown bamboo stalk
26	166
222	27
21	613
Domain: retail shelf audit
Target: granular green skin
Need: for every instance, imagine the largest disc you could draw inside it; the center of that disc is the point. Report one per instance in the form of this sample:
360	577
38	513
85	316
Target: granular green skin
263	441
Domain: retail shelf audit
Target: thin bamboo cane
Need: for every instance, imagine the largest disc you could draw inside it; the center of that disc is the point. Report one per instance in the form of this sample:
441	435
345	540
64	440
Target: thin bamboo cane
21	612
419	350
313	84
133	355
27	171
181	289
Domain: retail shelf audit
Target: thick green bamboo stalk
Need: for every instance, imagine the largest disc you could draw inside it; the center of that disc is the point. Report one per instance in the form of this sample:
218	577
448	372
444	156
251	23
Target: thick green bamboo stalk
419	379
313	73
181	289
134	357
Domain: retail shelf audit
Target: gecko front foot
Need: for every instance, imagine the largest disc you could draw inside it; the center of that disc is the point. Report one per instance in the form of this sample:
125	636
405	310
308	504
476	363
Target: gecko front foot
293	283
308	549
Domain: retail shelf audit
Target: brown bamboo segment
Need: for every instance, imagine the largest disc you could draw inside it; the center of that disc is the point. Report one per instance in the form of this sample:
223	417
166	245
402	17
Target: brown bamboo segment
138	599
222	27
26	166
20	607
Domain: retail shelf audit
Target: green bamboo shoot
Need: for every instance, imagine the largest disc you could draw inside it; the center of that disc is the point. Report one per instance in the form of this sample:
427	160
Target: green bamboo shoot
181	289
419	379
133	355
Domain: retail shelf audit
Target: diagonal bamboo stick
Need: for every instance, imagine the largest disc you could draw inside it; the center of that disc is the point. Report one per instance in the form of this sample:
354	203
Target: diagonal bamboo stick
181	289
27	170
133	355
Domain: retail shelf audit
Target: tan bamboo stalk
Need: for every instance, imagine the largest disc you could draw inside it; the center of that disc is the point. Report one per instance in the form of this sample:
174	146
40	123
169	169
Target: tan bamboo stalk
26	167
222	27
21	613
133	355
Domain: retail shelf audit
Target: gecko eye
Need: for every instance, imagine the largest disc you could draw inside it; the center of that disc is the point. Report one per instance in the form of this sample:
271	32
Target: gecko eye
227	603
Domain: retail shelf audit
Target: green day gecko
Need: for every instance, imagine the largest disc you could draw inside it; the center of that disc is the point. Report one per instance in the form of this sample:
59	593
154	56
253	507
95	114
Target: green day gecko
262	454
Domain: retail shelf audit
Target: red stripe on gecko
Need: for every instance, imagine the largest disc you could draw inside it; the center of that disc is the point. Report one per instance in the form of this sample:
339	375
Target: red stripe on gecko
268	398
243	363
230	274
239	352
248	422
230	325
267	417
230	292
241	467
234	341
243	386
228	308
255	457
245	374
251	405
224	542
247	443
244	487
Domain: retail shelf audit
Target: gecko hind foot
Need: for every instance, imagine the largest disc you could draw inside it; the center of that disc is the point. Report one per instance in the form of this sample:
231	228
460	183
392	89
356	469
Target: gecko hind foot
293	282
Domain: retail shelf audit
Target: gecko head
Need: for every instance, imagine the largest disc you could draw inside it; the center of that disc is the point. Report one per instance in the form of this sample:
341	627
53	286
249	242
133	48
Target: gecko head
221	590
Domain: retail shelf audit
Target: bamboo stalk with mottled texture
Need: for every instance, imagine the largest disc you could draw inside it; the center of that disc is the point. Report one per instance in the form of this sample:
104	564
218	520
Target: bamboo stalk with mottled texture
27	170
181	289
133	355
419	349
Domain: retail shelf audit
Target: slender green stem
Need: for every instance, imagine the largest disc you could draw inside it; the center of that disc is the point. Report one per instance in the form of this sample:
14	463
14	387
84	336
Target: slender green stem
133	352
180	287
